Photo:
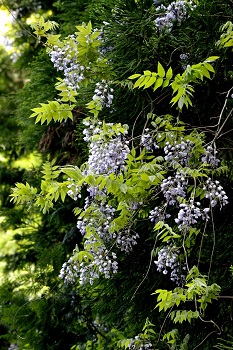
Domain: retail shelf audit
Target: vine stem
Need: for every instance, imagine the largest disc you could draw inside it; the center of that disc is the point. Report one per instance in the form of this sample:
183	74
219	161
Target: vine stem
218	332
219	128
19	23
225	296
163	324
159	99
224	105
28	302
204	339
214	242
148	269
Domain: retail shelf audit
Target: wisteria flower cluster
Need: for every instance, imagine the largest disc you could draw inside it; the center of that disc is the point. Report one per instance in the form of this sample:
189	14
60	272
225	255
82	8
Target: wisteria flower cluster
108	150
215	193
189	214
168	261
175	12
183	58
104	48
69	271
175	191
106	154
13	347
178	152
101	222
100	217
103	262
174	187
158	214
103	93
106	158
126	241
96	223
65	59
74	190
148	142
139	344
210	157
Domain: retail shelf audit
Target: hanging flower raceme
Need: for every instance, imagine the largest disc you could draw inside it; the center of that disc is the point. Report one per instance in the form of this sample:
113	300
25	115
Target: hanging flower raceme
103	93
168	263
108	151
175	12
65	59
210	157
106	154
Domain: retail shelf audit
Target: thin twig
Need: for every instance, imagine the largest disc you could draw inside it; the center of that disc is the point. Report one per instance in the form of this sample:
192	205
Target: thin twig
202	239
223	124
161	328
151	104
223	134
148	269
204	339
225	297
17	21
214	242
219	128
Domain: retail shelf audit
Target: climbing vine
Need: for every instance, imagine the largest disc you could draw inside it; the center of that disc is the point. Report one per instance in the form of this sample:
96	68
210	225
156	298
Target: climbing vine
166	175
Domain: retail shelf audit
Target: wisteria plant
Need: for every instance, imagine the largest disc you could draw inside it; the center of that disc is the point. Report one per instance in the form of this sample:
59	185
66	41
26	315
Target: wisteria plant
167	176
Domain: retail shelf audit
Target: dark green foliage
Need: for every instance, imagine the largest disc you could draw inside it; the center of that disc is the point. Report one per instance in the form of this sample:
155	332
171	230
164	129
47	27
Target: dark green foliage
71	13
139	46
24	8
30	95
61	316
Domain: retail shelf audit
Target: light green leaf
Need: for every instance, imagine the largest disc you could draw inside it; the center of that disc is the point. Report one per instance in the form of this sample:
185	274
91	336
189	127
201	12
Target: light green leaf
144	177
161	70
147	72
209	67
74	173
166	83
134	76
212	58
150	82
139	81
169	73
158	83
